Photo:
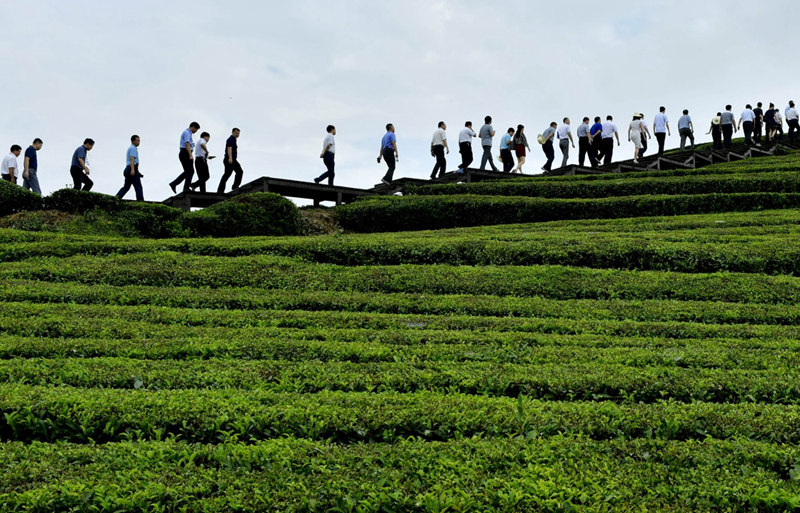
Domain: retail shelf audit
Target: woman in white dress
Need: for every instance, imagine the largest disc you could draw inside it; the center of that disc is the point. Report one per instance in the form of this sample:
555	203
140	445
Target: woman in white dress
635	134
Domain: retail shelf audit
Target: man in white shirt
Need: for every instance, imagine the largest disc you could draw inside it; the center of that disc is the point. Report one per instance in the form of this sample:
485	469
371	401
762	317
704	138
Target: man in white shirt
607	135
564	135
747	119
438	148
327	156
792	120
661	128
9	168
465	146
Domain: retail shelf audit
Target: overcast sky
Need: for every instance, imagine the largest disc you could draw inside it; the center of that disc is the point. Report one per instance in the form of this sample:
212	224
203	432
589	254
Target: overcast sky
281	71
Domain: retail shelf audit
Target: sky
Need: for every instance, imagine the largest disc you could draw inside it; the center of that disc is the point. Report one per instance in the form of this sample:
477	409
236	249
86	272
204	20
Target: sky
282	71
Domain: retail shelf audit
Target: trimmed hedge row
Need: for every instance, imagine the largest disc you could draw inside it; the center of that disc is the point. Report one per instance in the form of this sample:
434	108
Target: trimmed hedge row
551	381
555	282
427	212
211	416
706	312
782	182
14	198
261	213
508	476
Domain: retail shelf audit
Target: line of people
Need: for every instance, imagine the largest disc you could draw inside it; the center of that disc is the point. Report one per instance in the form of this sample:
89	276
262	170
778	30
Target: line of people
595	143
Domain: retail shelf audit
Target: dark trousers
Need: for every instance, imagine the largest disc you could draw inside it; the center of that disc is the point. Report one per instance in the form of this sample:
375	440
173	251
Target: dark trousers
794	126
508	160
201	165
608	150
596	150
584	150
7	177
550	153
748	132
643	149
758	128
230	167
727	134
188	170
388	157
329	162
661	137
686	133
465	148
716	135
79	179
135	181
440	168
487	157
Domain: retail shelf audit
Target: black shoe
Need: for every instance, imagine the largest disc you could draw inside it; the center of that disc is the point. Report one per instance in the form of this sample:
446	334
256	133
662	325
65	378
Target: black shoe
172	186
387	182
316	181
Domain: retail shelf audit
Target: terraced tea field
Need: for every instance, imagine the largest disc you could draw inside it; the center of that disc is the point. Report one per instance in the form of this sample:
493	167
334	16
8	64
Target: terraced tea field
627	364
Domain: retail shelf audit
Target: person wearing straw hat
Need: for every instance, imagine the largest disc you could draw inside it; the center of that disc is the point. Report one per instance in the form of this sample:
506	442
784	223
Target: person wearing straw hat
716	131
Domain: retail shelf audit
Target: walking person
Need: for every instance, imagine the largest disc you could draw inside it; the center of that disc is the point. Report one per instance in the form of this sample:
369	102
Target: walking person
465	146
596	141
486	134
661	128
185	156
778	123
792	121
30	166
327	156
728	122
716	131
758	124
131	171
547	147
389	153
201	158
231	162
608	134
584	147
772	125
635	132
438	148
564	140
645	136
747	118
78	168
686	129
9	169
520	145
506	143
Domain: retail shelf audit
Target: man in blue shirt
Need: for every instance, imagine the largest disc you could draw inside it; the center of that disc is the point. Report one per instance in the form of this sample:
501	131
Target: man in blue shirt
186	157
389	153
78	169
131	172
30	180
231	163
505	150
596	153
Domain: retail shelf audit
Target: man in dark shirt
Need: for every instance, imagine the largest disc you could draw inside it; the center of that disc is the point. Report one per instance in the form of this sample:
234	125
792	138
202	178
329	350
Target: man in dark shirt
30	180
758	124
231	163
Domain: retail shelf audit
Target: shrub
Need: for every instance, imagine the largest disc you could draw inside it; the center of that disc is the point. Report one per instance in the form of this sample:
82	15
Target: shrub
14	198
151	220
79	202
261	213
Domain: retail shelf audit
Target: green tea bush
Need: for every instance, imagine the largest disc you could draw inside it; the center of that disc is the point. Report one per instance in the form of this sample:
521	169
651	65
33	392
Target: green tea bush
80	202
261	213
14	198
